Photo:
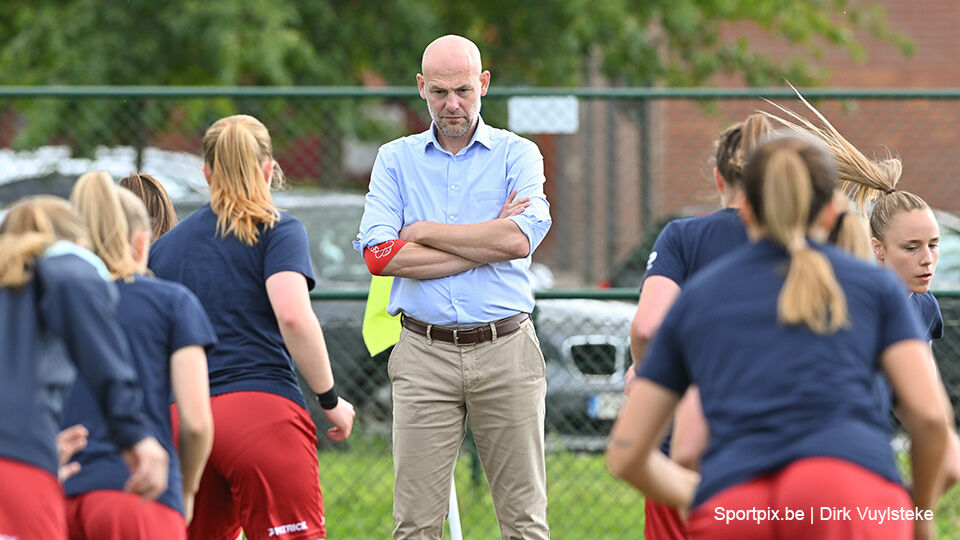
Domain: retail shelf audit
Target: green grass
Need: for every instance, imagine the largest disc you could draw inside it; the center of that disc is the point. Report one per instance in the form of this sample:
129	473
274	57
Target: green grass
584	500
948	513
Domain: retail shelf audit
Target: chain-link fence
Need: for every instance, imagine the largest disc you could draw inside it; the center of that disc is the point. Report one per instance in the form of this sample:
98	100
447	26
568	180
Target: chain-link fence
583	335
618	162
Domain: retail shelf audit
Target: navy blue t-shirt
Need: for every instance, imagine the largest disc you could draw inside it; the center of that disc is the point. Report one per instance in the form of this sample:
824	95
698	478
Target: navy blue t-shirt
229	277
773	394
930	317
159	318
687	245
931	321
60	323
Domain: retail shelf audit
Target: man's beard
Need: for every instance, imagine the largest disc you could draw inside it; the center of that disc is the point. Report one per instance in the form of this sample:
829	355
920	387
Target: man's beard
450	131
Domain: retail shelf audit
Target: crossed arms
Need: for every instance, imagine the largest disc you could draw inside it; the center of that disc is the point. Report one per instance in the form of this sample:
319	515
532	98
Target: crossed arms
425	249
434	250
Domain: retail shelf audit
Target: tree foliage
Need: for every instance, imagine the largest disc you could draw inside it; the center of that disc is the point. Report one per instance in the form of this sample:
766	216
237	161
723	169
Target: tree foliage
357	42
348	42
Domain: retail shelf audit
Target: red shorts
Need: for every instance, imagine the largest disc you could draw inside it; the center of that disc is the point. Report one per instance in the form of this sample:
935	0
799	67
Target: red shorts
31	503
662	522
262	471
118	515
831	494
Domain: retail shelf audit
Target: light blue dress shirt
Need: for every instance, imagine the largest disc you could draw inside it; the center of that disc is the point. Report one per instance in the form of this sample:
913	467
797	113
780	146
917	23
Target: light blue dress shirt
415	179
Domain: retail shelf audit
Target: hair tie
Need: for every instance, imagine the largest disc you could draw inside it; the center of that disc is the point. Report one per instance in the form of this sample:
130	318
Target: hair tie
889	191
835	231
797	245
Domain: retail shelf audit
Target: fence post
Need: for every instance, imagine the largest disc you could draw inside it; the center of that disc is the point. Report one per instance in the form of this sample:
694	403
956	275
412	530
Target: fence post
611	189
587	184
646	168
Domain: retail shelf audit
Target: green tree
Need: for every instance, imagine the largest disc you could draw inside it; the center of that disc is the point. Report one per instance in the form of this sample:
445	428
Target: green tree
346	42
353	42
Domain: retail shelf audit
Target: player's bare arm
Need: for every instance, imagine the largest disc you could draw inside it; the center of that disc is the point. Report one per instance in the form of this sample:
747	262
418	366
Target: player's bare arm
632	455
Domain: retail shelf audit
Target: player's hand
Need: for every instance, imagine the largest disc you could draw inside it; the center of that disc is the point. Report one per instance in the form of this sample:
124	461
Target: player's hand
514	207
188	506
70	441
148	463
341	417
628	378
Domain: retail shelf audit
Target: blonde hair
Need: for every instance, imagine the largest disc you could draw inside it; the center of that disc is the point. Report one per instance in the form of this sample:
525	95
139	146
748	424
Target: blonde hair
735	145
235	149
159	207
787	182
31	226
849	233
863	178
112	216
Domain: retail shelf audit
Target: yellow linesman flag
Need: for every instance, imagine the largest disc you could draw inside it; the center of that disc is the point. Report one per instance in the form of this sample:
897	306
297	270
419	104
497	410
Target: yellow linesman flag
380	329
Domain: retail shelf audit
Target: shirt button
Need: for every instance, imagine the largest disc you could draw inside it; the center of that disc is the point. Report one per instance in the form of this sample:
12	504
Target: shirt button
453	187
452	218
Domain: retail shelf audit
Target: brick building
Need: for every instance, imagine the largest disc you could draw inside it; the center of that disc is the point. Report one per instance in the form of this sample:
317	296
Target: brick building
595	185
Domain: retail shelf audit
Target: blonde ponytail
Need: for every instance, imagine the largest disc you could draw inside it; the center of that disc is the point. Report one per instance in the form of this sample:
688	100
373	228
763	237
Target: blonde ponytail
849	232
788	181
30	227
97	201
862	178
235	151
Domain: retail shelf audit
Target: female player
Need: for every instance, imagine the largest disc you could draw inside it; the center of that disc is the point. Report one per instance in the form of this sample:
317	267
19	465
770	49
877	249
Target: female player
155	198
249	265
684	247
58	320
784	338
904	233
168	332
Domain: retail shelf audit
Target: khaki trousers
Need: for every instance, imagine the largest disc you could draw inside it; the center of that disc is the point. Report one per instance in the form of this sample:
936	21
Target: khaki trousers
500	386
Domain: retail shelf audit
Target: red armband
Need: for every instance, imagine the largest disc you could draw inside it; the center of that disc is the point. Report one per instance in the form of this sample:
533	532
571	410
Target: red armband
379	255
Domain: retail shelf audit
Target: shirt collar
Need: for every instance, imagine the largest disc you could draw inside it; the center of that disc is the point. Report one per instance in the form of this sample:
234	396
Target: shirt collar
62	247
481	135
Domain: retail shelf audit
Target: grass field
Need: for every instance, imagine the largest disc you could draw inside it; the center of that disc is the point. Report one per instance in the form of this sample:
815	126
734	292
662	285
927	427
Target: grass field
585	502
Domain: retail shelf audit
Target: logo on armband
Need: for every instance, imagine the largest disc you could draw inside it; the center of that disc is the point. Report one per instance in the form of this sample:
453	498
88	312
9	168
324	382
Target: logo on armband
288	528
381	250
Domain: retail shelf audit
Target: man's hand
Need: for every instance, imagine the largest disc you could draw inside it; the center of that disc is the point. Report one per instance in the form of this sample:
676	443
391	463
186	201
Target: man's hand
341	417
148	463
411	233
513	207
70	441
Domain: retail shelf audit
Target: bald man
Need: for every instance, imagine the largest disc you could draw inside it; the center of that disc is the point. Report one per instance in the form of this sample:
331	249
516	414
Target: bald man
455	213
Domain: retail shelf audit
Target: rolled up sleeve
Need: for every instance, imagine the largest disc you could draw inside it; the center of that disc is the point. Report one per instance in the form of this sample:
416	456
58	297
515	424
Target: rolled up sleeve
383	208
525	175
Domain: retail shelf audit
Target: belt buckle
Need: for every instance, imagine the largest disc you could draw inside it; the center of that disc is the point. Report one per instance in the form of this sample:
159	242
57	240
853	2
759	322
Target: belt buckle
456	337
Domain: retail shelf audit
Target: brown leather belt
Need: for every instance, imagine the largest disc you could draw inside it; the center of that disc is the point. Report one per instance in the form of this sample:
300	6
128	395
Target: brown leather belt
465	336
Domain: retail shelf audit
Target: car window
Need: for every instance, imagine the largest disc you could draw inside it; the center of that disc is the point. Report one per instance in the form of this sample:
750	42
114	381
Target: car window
947	275
332	228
